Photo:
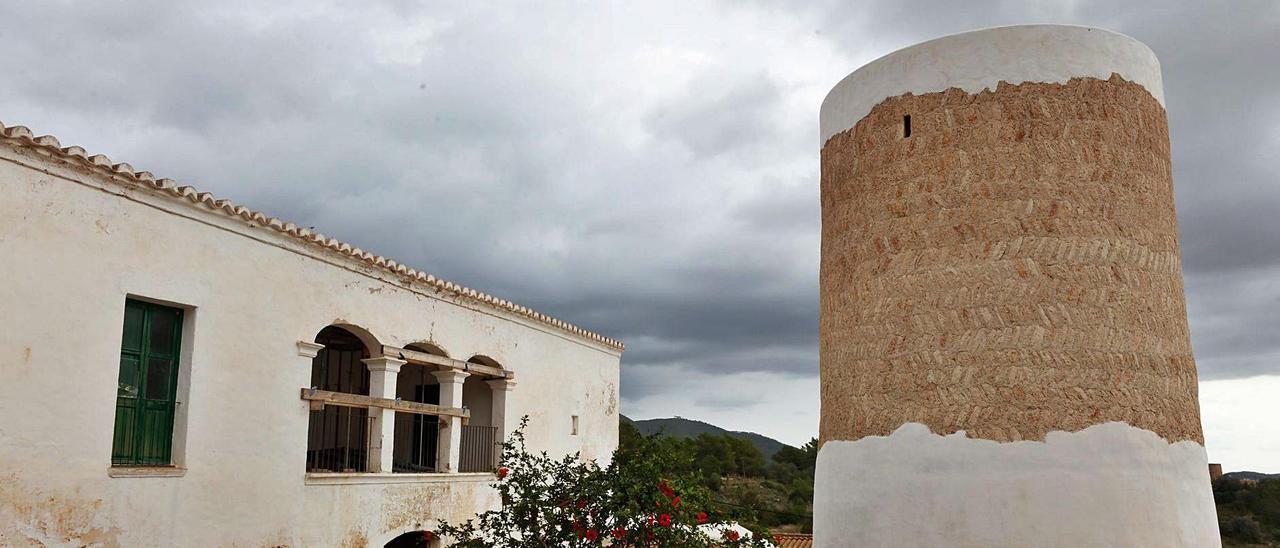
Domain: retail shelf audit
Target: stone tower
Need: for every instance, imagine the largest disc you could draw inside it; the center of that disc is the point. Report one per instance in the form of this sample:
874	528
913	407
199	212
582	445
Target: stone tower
1004	343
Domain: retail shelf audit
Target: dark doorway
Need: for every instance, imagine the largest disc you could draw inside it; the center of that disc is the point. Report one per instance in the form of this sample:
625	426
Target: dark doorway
412	539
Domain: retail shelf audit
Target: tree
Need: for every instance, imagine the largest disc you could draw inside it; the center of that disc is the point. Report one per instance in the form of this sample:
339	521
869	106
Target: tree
627	434
804	458
634	501
1248	512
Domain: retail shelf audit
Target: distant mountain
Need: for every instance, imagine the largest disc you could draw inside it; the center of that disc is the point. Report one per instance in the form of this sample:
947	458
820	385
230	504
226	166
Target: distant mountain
681	427
1255	476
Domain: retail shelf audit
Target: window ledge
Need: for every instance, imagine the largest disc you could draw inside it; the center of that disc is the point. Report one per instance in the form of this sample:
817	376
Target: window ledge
146	472
360	478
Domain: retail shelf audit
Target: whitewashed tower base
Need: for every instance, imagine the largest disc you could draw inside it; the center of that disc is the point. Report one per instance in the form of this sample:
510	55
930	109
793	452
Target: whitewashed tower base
1005	352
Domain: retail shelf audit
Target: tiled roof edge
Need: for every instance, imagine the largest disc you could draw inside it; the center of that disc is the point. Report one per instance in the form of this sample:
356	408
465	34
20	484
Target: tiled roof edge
75	154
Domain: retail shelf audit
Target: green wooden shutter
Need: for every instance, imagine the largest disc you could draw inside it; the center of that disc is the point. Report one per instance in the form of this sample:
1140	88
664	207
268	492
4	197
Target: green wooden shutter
146	395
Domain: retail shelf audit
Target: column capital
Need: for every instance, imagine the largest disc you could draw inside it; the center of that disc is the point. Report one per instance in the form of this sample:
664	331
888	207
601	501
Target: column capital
451	376
383	363
504	385
308	349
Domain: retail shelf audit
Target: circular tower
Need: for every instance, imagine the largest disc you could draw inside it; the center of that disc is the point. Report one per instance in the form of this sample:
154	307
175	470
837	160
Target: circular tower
1004	343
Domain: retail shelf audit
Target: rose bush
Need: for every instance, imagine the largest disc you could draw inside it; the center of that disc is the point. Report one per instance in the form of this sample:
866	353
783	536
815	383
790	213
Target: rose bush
634	501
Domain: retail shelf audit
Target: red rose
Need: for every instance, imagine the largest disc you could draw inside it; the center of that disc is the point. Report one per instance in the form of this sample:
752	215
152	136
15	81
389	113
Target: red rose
664	520
650	520
657	504
502	472
582	503
619	533
777	539
591	535
675	502
733	535
702	517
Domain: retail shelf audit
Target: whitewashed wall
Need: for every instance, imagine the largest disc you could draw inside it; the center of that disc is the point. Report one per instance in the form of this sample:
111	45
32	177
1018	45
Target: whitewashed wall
981	59
1107	485
72	247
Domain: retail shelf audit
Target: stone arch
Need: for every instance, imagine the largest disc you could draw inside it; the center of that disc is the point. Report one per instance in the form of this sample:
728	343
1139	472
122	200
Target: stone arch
484	431
372	346
484	360
337	366
337	436
428	347
416	437
411	539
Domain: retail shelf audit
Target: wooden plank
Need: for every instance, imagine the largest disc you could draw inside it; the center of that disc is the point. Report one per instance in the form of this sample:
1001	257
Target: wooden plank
325	397
423	358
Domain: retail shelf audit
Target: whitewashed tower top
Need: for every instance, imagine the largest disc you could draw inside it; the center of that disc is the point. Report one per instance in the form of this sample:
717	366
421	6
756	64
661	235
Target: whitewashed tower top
980	59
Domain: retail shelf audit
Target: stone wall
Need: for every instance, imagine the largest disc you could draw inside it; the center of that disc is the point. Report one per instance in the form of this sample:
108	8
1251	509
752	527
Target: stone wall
1010	269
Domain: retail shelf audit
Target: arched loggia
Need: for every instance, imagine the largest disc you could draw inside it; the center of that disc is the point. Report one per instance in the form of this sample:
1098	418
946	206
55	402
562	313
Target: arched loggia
338	437
481	436
416	440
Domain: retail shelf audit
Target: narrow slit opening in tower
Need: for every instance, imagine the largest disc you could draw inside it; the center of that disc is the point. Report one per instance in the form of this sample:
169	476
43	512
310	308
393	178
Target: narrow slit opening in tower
906	126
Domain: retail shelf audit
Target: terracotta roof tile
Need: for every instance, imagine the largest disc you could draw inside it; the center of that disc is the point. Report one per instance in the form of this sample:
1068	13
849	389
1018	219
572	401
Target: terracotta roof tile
22	136
793	540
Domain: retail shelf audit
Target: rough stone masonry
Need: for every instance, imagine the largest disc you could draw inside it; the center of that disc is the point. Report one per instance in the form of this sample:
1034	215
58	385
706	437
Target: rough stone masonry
1009	270
1005	355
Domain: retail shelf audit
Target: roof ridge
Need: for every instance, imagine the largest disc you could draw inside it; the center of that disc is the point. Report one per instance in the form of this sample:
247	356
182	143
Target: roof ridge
100	162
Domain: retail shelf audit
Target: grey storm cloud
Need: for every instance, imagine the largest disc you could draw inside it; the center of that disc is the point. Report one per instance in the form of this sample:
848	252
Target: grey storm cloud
716	116
647	171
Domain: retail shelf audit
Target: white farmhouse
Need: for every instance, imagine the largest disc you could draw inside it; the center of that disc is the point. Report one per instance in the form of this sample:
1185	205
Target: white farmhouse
179	370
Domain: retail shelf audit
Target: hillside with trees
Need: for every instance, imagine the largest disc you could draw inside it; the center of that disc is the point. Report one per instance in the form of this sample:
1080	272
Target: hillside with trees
680	427
1248	510
778	489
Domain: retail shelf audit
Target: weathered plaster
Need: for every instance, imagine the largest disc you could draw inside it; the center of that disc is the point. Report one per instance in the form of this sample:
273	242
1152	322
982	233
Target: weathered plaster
31	516
253	293
1107	485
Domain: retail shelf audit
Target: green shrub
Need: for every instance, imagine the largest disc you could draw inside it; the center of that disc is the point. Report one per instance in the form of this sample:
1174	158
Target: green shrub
635	501
1241	528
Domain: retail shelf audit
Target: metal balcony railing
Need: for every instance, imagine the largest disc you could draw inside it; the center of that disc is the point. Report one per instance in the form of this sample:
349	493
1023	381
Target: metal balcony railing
338	440
479	450
421	433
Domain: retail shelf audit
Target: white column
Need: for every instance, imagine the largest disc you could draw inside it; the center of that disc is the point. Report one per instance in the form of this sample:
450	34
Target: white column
382	384
506	422
447	450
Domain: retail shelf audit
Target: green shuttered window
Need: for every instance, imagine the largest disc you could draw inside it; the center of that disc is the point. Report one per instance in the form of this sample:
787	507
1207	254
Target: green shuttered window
146	394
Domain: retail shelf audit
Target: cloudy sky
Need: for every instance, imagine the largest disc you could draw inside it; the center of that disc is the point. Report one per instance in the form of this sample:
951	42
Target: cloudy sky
646	170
